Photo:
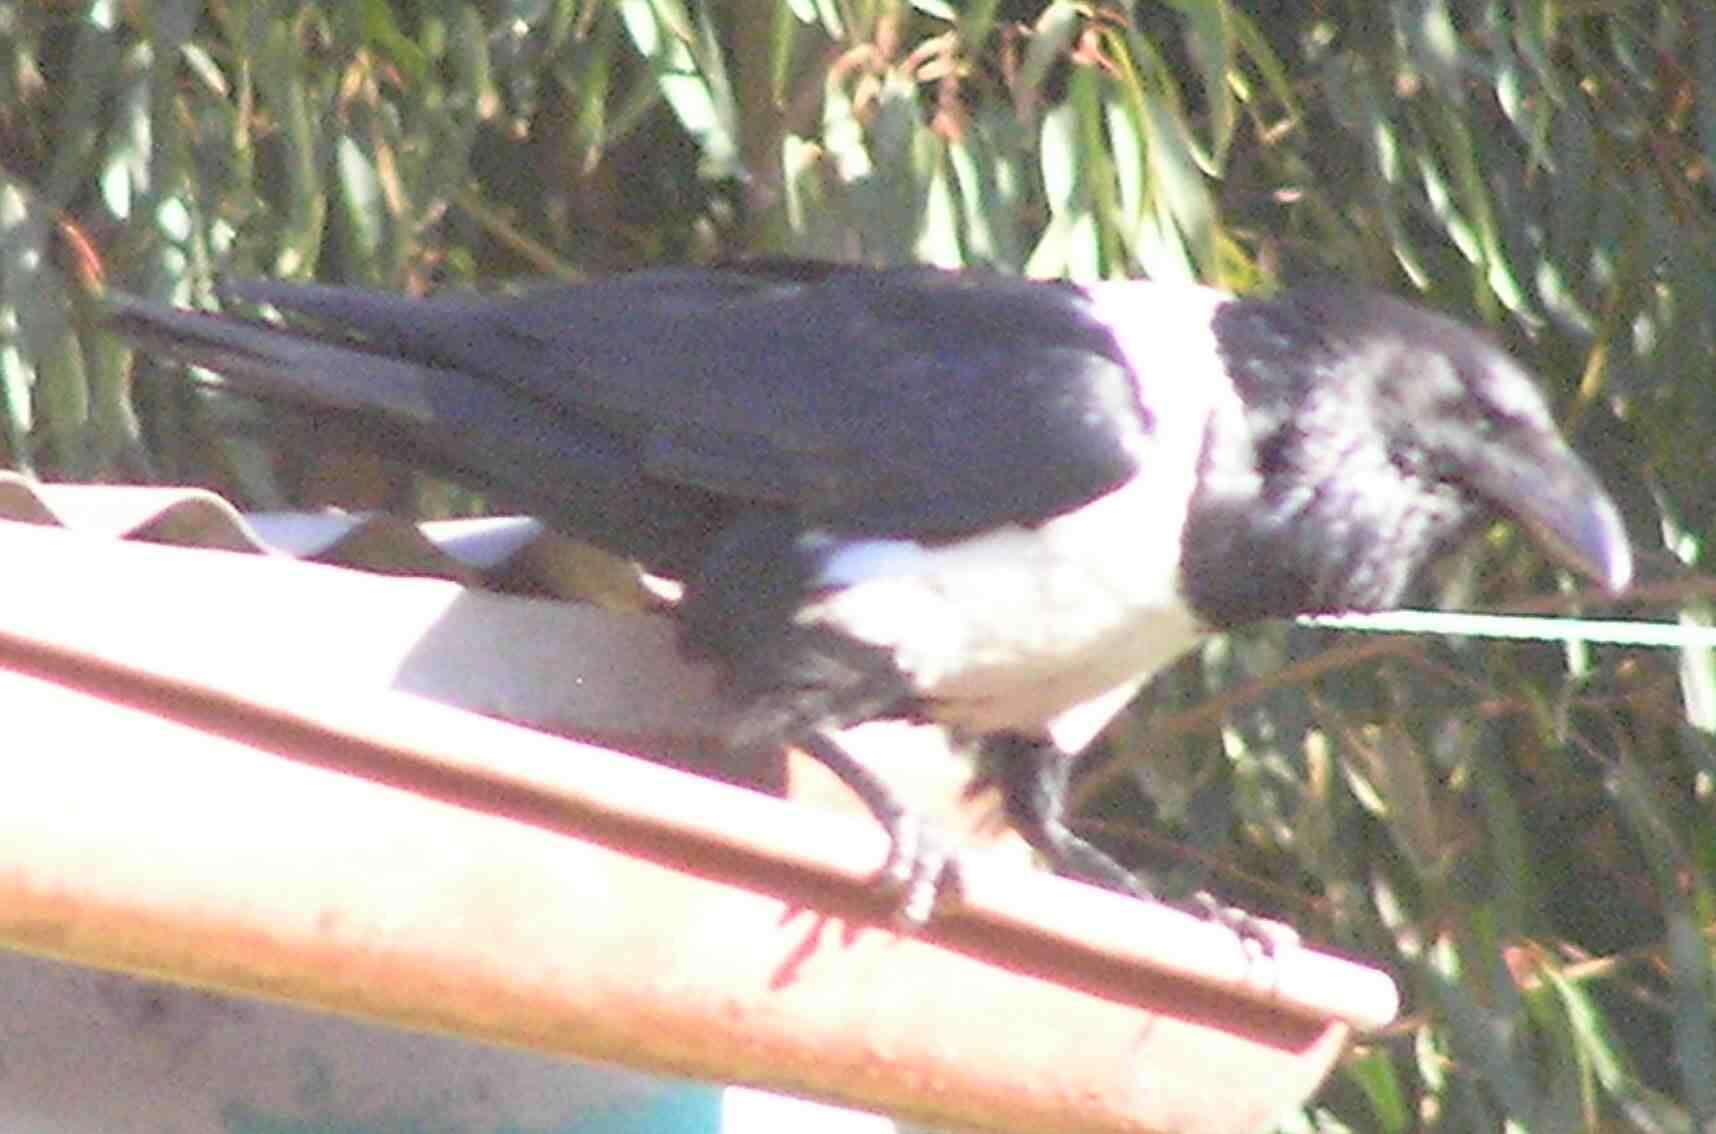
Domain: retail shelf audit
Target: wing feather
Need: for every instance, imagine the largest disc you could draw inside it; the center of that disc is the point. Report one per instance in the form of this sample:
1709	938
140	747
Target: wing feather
890	402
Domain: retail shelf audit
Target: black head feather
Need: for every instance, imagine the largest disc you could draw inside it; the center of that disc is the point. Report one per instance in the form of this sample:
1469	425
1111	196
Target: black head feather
1369	438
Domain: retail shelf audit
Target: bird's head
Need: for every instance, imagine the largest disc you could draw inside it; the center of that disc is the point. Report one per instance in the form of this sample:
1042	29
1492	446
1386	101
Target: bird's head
1370	437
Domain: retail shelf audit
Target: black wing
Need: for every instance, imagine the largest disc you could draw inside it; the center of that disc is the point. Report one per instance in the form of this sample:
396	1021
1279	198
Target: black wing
643	411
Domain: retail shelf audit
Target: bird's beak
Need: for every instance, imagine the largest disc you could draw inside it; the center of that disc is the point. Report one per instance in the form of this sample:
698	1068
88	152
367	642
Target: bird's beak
1549	490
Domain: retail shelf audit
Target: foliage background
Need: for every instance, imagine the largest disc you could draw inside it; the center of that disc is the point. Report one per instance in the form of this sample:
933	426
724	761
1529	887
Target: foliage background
1522	832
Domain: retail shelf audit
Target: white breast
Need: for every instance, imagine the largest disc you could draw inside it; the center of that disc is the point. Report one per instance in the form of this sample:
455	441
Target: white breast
1050	629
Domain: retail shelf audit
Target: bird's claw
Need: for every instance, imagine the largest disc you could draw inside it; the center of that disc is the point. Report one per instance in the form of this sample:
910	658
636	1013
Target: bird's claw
920	870
1270	938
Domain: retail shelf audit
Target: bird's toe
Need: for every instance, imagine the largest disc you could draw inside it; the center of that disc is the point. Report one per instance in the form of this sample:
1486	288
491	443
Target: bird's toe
921	871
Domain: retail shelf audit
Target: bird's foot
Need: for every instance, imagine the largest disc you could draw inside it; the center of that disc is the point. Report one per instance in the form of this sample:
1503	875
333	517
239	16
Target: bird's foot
1270	938
921	870
1032	776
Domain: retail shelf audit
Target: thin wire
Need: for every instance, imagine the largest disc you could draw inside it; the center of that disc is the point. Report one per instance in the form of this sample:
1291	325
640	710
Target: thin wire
1523	627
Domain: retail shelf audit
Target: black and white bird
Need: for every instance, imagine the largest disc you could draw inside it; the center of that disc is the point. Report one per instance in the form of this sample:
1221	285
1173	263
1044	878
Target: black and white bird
994	503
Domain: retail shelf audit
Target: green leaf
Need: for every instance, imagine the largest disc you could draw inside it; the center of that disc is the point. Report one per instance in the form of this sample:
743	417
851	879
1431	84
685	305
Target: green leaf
1688	952
1376	1076
372	22
976	19
278	66
1180	190
1214	45
1055	28
783	41
361	206
684	55
937	9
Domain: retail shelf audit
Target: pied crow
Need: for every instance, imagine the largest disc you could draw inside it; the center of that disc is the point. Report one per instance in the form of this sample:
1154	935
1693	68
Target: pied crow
995	503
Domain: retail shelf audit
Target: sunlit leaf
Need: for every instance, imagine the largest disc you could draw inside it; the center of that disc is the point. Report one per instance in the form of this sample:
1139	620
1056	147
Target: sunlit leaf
1211	37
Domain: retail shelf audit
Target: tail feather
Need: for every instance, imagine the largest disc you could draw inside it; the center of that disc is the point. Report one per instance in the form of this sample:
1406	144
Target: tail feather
384	321
272	362
579	473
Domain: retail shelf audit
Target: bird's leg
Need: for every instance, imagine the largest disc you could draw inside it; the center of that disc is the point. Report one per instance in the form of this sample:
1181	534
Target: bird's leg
920	862
1033	776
